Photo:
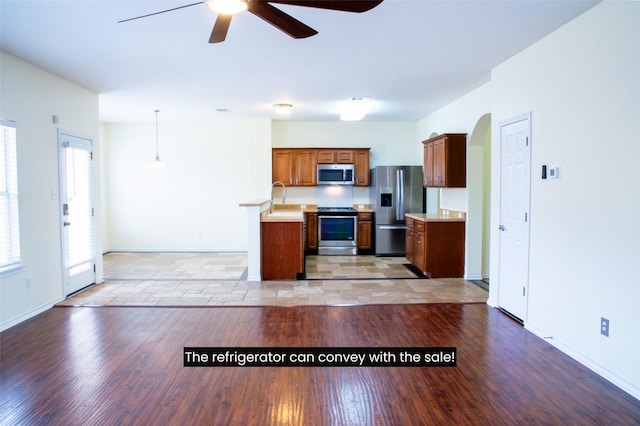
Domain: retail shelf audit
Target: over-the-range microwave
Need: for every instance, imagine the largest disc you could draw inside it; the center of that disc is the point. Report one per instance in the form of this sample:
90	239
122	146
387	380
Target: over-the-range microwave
336	174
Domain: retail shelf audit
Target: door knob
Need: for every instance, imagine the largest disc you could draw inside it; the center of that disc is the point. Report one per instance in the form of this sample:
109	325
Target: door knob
67	224
501	228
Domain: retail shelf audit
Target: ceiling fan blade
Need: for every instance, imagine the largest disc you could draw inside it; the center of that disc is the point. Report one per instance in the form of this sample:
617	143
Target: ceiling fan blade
158	13
220	28
357	6
280	20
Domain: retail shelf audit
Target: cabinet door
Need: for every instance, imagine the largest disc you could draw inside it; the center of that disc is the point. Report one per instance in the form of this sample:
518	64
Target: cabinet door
344	157
410	240
365	231
420	253
439	163
428	164
281	166
362	168
325	156
312	231
305	168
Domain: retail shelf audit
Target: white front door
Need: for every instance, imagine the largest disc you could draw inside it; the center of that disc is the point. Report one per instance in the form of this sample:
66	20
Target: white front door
76	203
515	165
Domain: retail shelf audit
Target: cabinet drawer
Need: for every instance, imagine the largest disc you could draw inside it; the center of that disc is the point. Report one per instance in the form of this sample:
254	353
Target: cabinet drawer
365	216
419	226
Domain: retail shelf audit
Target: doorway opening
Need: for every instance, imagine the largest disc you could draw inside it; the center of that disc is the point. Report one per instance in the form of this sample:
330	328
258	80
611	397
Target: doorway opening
479	203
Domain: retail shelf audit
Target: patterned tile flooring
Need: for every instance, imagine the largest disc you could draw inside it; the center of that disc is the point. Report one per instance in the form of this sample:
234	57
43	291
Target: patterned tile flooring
215	279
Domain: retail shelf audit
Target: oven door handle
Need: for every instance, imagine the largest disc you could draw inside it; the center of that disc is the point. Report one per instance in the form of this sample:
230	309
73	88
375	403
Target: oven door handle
392	227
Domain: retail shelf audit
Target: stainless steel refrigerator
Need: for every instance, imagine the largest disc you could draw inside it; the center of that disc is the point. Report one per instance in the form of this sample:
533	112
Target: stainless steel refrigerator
395	191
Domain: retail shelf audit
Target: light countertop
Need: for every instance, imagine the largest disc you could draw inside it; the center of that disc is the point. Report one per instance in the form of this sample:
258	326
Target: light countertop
451	216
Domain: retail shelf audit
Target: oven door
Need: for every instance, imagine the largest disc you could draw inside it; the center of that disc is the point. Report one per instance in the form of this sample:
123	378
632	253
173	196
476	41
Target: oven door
337	235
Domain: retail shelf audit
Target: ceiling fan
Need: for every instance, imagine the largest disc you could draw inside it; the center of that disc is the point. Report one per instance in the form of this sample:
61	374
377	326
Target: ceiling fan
264	10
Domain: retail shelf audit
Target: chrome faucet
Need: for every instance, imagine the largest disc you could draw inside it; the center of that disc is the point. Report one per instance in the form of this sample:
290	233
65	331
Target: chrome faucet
283	192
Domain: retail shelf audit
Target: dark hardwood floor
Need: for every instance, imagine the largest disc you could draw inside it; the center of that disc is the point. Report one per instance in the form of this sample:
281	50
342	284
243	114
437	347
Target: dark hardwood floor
124	365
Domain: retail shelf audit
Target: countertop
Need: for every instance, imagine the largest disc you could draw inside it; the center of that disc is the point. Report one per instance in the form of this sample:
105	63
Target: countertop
282	216
313	208
287	212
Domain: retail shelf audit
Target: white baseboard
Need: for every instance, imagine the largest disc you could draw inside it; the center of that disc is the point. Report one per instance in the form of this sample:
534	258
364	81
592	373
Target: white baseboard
473	277
594	366
27	315
140	250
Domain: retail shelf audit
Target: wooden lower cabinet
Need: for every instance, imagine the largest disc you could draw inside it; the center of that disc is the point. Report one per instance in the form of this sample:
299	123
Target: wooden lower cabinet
365	232
282	250
409	240
311	232
436	248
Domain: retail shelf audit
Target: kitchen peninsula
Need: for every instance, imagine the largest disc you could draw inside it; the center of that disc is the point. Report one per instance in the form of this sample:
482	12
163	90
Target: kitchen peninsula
278	239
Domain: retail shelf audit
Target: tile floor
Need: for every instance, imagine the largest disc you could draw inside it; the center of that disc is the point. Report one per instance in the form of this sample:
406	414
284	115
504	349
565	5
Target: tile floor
215	279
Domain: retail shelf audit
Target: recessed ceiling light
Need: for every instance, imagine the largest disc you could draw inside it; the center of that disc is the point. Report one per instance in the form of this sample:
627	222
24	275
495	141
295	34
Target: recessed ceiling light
223	110
356	108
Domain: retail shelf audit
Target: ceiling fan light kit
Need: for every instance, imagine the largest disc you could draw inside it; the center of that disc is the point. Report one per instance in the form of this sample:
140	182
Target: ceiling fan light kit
227	7
265	11
282	108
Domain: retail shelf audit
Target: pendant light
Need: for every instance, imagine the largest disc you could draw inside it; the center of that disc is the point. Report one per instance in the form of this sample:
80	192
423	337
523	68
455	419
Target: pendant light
157	162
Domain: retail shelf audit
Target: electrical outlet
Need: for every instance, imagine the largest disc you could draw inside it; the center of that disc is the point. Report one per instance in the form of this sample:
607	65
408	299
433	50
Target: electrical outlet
27	283
604	326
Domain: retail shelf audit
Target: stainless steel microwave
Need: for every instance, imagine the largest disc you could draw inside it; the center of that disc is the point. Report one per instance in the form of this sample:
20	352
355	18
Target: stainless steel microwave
336	174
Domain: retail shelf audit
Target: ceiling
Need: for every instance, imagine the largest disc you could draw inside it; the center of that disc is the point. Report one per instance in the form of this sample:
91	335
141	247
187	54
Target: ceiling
410	56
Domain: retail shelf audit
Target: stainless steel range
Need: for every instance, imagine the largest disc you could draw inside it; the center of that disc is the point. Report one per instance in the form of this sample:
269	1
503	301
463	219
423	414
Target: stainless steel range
337	231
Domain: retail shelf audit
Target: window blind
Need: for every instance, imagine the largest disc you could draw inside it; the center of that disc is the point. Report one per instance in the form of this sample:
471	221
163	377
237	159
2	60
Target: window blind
9	217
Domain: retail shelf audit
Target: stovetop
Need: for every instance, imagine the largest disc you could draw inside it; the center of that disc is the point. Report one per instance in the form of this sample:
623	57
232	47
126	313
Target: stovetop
337	211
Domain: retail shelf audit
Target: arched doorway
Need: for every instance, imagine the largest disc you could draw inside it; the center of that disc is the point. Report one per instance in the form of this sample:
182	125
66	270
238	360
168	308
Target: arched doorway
479	201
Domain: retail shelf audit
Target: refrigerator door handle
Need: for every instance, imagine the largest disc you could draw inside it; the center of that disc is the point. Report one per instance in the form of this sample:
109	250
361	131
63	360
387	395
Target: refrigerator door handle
399	194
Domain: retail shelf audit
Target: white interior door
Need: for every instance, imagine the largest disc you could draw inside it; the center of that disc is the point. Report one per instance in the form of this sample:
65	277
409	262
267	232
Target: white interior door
515	165
76	203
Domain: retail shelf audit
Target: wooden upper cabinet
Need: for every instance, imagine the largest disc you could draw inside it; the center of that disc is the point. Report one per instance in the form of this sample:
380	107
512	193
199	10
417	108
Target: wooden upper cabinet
325	156
294	167
362	167
427	168
281	166
344	157
335	156
445	161
305	168
298	166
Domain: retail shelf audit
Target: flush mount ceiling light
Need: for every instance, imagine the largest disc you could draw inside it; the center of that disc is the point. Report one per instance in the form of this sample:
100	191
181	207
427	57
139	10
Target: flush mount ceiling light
356	108
282	108
157	162
227	7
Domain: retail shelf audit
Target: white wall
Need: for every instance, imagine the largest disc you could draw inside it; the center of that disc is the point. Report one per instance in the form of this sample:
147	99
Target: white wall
30	96
582	87
193	202
391	143
468	114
